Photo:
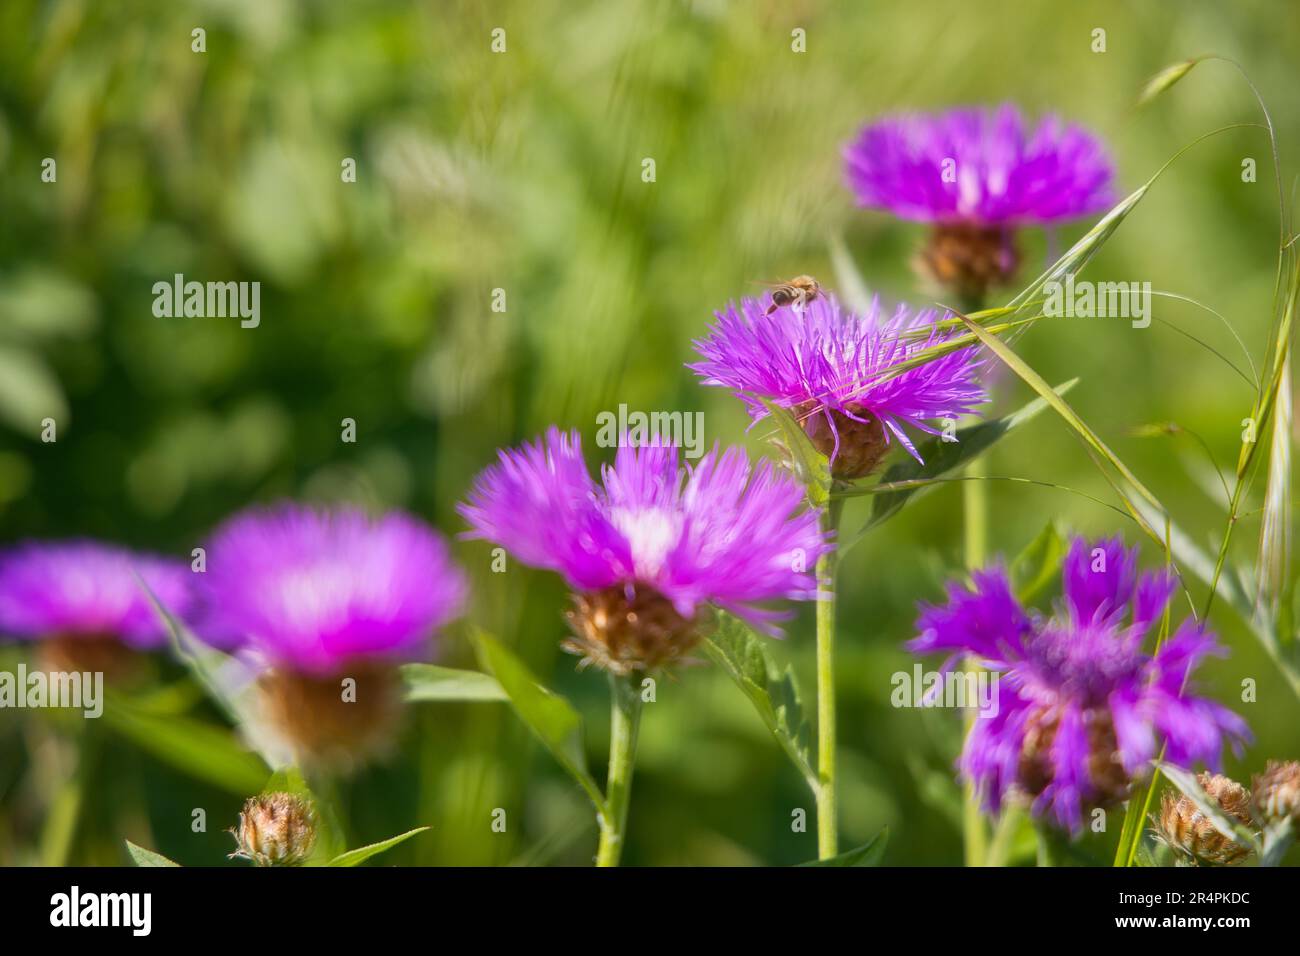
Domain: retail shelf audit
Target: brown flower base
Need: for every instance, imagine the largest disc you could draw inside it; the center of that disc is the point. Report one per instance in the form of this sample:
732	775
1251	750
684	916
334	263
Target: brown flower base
622	635
969	259
1105	772
324	727
97	655
862	443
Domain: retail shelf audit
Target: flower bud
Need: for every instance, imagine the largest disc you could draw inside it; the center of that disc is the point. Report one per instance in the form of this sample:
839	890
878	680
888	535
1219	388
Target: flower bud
1277	791
276	829
1186	830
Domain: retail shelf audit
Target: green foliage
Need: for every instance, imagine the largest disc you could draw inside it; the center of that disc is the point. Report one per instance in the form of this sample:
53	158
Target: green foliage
770	688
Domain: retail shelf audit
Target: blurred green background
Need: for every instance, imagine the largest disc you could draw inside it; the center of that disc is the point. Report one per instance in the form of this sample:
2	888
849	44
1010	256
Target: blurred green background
522	171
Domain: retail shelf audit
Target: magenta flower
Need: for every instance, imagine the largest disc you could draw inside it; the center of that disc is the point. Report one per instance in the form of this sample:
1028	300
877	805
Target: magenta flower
654	542
88	590
1081	708
828	367
326	603
313	591
977	175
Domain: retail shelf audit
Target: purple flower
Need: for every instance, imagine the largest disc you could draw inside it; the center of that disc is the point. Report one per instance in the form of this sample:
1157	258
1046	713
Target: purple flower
1081	708
315	591
982	166
828	366
977	175
650	544
85	589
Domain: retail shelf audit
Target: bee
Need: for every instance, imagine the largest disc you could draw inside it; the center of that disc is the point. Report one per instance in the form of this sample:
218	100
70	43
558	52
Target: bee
796	293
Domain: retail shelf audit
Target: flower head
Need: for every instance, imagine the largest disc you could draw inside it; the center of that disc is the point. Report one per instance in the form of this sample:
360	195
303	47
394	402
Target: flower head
315	590
85	590
977	175
831	369
651	543
326	603
1082	708
984	166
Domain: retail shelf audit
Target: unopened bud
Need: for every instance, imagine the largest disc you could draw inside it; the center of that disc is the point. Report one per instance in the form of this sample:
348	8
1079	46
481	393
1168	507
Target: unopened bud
1189	832
276	829
1277	791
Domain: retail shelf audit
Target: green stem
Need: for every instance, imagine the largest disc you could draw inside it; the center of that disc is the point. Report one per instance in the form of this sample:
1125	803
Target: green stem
827	830
975	534
624	724
975	515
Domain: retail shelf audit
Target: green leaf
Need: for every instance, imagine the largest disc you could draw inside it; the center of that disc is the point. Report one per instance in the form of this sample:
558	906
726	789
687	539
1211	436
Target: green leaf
361	854
810	466
942	457
772	690
198	749
431	682
549	716
1039	564
869	854
143	857
1187	783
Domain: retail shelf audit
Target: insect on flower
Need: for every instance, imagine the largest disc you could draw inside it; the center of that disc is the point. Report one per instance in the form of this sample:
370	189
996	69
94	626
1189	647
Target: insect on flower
796	293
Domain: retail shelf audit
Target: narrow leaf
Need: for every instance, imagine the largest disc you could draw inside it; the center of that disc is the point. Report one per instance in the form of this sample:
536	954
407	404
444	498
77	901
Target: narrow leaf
431	682
361	854
772	690
143	857
201	750
549	716
869	854
1039	564
942	457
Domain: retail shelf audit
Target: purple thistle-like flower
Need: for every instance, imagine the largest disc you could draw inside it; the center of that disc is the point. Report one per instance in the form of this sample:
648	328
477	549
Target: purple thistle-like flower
977	175
1081	708
88	590
984	166
652	543
315	591
828	366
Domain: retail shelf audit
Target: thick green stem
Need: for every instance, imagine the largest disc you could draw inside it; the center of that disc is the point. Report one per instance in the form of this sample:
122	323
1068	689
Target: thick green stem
827	830
624	724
